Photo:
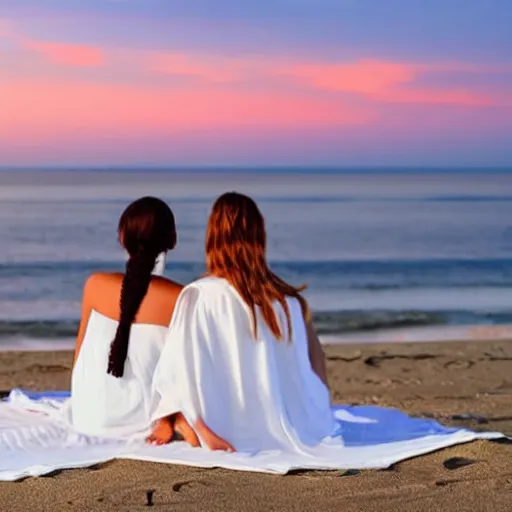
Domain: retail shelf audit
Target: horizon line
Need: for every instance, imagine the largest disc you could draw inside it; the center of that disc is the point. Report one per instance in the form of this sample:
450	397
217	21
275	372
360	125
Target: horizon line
331	169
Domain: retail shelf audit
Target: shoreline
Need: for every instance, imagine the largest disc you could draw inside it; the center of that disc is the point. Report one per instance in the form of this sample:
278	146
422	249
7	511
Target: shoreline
424	334
399	336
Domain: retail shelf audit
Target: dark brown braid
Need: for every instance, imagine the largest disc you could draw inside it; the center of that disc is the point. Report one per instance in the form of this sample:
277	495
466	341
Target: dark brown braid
133	290
146	229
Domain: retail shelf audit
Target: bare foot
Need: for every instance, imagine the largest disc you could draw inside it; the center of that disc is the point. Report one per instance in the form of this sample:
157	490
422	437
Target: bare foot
187	432
212	440
162	432
166	428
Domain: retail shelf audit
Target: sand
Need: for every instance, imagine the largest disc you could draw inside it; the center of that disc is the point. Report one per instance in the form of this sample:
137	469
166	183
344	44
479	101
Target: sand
440	380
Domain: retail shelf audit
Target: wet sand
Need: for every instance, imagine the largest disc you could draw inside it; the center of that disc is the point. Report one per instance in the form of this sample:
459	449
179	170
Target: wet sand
464	384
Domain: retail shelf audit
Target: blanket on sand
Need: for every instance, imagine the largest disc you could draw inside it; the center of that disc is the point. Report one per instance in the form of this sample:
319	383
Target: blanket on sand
34	441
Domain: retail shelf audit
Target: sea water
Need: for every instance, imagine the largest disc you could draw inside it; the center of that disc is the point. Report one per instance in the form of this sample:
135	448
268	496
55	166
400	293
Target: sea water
385	255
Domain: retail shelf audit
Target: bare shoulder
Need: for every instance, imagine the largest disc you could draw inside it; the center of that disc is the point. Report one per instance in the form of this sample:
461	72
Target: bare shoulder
164	285
99	281
114	280
158	304
103	292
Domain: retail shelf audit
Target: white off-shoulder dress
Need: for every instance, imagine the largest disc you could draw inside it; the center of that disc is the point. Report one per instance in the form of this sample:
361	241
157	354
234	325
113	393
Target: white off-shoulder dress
106	406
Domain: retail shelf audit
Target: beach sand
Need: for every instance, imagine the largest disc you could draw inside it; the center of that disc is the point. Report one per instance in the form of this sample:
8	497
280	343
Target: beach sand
439	380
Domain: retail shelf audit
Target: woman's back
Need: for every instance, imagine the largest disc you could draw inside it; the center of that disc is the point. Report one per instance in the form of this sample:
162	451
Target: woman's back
258	394
102	404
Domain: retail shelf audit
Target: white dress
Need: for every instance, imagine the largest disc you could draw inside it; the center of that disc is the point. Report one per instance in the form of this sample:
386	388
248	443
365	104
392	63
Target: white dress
257	394
105	406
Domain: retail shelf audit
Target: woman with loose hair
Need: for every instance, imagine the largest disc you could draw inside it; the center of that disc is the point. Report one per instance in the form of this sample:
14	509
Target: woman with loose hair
122	330
242	354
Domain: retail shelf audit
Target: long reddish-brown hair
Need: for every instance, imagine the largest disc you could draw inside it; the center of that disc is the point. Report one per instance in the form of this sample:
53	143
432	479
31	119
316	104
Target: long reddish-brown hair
236	251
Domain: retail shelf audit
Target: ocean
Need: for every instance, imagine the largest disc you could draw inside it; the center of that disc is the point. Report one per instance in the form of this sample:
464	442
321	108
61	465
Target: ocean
385	255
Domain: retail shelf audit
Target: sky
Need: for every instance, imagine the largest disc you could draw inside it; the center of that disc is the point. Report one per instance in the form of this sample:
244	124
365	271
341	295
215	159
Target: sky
268	83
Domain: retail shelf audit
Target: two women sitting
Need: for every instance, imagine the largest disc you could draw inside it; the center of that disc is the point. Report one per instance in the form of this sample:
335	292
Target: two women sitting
231	361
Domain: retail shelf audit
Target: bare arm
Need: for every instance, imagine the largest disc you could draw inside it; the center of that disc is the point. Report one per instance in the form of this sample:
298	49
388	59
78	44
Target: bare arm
316	353
86	312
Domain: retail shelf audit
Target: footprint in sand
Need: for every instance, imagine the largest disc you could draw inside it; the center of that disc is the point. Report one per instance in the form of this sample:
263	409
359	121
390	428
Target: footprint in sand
458	462
178	486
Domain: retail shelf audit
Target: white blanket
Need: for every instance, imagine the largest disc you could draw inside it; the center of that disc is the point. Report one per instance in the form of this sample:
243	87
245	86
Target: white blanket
38	443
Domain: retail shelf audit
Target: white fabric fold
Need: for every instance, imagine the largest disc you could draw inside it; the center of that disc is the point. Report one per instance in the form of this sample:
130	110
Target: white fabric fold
259	394
103	405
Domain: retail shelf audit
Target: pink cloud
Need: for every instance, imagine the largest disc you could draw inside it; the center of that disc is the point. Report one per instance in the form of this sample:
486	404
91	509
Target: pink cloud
379	81
67	54
386	82
57	53
425	96
54	110
376	80
362	77
219	70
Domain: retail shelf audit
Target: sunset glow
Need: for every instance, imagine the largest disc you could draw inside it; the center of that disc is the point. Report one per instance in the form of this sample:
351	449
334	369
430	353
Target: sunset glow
64	89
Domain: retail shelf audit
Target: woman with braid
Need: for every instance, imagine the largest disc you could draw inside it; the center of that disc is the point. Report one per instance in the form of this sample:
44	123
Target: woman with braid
122	331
